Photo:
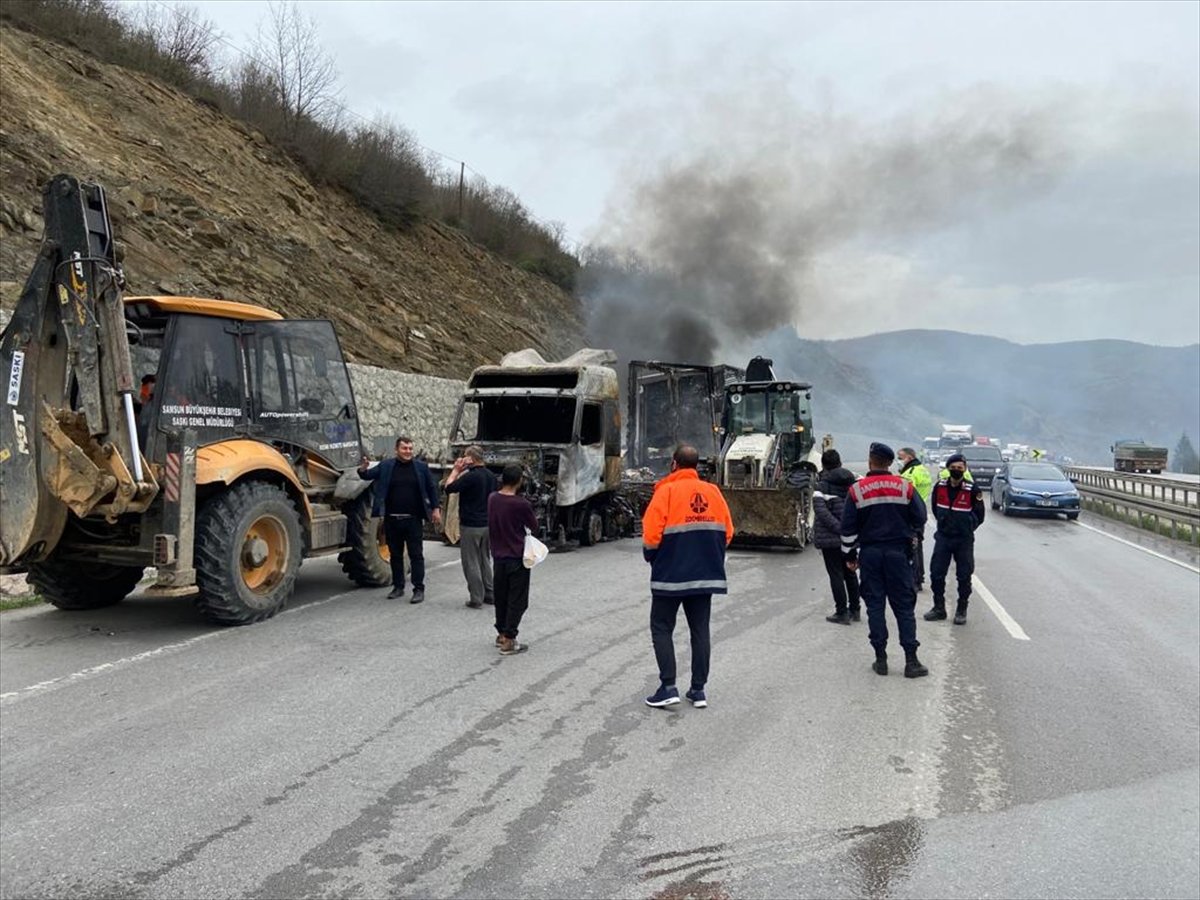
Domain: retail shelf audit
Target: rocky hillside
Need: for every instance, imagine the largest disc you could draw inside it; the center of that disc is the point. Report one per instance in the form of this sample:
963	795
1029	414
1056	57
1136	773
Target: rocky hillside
206	206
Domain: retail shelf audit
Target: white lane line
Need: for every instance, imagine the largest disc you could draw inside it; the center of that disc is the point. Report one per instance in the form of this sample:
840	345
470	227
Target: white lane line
54	684
62	681
1122	540
1009	623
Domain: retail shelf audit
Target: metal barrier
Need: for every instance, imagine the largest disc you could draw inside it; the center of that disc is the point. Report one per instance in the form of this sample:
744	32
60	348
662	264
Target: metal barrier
1165	505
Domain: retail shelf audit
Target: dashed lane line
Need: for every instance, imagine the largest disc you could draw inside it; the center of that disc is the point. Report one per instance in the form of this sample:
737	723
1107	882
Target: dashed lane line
1122	540
1009	623
54	684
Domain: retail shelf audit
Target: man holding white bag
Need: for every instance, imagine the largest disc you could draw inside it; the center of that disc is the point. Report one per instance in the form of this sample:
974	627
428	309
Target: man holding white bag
509	515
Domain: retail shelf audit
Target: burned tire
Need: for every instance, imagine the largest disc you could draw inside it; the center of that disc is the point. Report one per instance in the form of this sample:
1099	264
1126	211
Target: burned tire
593	528
74	585
367	562
248	550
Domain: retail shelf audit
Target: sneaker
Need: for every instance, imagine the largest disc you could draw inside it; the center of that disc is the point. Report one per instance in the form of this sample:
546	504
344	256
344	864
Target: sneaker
499	639
697	698
511	647
472	604
663	697
960	618
418	595
839	618
396	592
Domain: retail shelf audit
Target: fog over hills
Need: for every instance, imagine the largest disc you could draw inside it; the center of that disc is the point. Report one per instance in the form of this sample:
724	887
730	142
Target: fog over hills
1071	398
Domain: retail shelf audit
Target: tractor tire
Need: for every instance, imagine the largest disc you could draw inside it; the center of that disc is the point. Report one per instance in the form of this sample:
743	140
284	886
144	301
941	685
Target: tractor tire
367	562
807	516
593	528
74	585
248	549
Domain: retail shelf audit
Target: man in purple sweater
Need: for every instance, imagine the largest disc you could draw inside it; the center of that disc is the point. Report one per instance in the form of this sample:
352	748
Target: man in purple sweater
509	514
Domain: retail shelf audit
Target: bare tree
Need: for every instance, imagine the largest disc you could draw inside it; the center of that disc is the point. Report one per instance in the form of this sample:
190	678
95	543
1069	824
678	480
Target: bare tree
303	74
181	34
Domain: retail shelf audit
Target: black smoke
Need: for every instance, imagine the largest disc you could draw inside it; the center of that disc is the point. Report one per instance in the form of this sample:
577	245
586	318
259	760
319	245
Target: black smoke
718	248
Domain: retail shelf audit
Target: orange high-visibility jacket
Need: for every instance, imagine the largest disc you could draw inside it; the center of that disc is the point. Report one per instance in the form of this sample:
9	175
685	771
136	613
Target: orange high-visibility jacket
685	531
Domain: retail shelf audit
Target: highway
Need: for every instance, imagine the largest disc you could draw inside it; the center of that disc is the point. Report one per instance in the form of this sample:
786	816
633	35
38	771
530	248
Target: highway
361	747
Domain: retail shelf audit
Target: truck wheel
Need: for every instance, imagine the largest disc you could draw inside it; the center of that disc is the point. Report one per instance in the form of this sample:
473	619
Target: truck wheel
73	585
248	552
593	529
367	561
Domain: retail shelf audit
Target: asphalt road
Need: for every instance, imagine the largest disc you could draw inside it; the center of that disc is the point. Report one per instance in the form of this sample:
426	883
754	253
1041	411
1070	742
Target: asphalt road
359	747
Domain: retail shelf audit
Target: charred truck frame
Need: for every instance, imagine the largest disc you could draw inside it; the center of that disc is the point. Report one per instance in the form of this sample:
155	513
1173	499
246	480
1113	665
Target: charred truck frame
561	422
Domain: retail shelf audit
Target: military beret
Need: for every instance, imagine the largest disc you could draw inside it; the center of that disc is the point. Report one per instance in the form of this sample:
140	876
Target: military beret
882	451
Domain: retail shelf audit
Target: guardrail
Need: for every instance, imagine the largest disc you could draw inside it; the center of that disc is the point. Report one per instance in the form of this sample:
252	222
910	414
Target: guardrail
1167	506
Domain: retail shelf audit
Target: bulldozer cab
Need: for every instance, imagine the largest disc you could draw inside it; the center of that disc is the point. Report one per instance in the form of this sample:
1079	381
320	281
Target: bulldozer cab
780	408
229	370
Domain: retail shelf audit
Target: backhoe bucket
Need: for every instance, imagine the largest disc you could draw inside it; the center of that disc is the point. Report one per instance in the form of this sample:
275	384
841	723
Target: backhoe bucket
770	517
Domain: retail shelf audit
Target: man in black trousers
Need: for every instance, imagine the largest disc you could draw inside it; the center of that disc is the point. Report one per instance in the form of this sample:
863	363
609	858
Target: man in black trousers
407	495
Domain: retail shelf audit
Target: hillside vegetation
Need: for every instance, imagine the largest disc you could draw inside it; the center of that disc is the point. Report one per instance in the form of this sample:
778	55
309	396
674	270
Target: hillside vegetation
208	205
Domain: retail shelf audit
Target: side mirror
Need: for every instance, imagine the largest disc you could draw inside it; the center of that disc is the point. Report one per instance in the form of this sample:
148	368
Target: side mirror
1074	479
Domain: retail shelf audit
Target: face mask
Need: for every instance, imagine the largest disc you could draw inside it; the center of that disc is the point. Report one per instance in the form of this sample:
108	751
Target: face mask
957	474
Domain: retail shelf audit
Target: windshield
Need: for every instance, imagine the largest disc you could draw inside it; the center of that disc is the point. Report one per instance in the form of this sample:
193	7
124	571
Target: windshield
981	454
1037	473
523	420
764	412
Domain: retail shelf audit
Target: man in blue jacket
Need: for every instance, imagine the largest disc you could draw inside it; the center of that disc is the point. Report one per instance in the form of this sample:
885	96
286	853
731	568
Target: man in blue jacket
406	494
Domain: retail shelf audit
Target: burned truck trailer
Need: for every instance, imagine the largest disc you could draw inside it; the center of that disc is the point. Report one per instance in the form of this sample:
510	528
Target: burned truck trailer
561	422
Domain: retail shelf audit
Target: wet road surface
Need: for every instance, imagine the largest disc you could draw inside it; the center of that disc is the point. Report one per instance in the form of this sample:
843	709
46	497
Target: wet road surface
356	746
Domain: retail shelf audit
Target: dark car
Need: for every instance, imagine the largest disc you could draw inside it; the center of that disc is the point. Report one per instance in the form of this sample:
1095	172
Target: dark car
983	462
1035	488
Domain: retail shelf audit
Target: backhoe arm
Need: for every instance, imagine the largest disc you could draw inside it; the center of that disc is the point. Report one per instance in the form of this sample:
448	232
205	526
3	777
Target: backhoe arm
68	439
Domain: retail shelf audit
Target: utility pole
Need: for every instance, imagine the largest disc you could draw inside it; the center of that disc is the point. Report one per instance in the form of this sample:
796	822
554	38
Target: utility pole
462	173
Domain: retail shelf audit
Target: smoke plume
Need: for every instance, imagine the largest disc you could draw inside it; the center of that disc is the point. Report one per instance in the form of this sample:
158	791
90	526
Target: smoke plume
721	246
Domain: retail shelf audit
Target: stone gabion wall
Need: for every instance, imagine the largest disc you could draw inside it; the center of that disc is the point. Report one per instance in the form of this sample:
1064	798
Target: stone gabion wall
394	403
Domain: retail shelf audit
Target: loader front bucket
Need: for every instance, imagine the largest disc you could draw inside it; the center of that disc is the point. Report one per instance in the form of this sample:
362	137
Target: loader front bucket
770	517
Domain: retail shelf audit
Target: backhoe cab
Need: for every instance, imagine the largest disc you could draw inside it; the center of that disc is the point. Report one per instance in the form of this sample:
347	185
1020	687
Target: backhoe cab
237	461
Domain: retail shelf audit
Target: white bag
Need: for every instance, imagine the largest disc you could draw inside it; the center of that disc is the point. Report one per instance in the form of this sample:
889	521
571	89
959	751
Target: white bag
535	551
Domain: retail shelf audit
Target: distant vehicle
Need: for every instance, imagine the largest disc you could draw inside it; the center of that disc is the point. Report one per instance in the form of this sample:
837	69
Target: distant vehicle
1138	456
1035	488
955	437
983	463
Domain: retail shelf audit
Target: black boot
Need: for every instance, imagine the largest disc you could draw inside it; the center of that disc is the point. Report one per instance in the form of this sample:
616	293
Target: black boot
880	664
938	612
839	618
912	665
960	614
855	614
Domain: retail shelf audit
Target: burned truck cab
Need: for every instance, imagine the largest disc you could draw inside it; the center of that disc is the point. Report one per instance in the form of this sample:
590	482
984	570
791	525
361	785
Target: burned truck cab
561	423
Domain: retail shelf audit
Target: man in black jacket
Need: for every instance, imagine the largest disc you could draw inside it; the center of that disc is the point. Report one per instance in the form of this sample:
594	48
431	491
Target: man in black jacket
957	506
829	499
406	494
473	483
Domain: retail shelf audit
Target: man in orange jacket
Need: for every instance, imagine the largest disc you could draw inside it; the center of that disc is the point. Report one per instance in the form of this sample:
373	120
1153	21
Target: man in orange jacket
685	531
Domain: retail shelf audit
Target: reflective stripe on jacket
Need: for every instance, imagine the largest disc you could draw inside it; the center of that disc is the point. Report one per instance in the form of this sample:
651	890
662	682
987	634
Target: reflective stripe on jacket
957	511
685	531
881	509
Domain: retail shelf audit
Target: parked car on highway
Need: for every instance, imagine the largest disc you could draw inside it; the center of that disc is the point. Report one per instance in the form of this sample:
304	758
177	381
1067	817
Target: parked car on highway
1036	488
983	462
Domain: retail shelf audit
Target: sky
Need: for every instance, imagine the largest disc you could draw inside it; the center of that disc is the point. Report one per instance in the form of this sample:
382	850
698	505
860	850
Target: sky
1026	170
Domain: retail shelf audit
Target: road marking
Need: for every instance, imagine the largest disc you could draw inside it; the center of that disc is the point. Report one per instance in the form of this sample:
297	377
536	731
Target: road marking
1169	559
62	681
1009	623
